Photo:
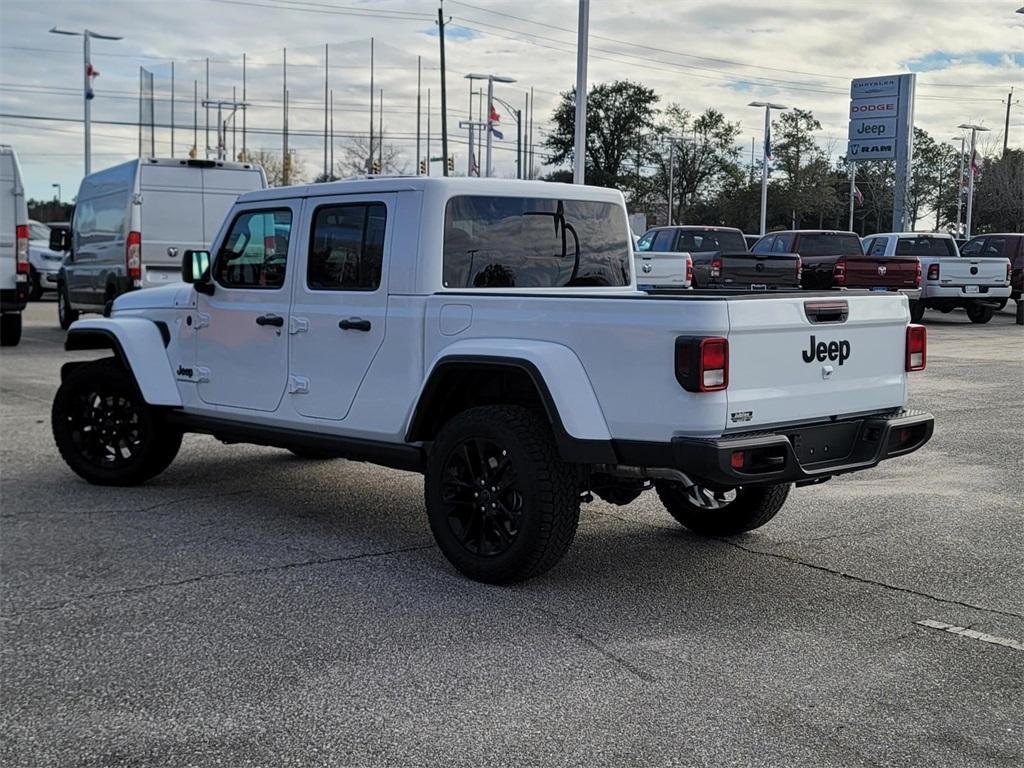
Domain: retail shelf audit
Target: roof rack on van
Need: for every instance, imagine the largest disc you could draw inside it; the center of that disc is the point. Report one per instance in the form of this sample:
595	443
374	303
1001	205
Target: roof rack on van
198	163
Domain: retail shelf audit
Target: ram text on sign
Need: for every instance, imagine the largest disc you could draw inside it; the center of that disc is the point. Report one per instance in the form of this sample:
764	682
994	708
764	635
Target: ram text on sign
873	128
884	106
872	149
868	87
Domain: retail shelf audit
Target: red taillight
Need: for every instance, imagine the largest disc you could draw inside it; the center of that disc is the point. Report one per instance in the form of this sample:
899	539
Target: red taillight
737	460
702	365
933	271
689	271
917	347
839	273
1009	271
716	267
917	275
133	258
21	249
799	270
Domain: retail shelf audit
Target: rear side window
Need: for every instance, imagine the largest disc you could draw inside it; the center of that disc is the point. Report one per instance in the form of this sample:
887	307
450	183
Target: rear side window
973	248
827	244
764	245
644	243
255	252
346	247
878	246
780	244
698	241
925	246
663	240
995	248
101	219
526	242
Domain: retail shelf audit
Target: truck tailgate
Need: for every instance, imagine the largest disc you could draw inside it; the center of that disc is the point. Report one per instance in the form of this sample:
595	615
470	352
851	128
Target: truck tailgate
759	270
963	270
882	271
793	359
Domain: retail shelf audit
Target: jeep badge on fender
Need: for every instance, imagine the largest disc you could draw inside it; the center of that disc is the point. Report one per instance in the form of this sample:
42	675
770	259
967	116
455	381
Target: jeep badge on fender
833	350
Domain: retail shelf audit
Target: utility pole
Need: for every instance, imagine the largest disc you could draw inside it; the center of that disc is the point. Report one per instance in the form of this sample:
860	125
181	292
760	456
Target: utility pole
331	176
960	181
419	118
206	152
530	164
768	107
444	94
327	107
369	158
428	131
489	123
380	133
1006	129
970	183
88	73
195	120
580	145
172	108
853	191
284	117
245	153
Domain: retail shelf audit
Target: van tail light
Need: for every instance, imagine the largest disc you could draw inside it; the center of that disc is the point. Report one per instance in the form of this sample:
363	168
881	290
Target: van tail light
1009	271
839	272
702	364
133	258
933	271
917	275
917	347
799	270
716	267
21	252
689	271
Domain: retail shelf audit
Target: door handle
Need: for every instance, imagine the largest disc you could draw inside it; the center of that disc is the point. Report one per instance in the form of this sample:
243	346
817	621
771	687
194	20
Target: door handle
354	324
275	320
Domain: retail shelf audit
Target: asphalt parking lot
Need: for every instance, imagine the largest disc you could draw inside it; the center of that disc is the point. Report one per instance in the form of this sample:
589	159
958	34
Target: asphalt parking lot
250	608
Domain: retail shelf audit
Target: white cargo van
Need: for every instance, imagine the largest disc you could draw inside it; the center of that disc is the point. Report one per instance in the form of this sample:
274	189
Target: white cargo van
132	222
13	247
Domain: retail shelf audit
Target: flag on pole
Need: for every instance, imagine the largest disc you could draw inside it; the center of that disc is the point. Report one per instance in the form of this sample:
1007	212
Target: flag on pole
858	195
495	117
91	73
497	134
975	163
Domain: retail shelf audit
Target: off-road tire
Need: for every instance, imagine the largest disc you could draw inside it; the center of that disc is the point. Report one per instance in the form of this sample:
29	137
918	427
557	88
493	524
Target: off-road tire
752	508
101	381
546	490
916	311
979	313
10	329
65	314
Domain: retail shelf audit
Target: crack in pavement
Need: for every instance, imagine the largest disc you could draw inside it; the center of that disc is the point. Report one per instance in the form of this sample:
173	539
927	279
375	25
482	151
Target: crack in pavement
212	576
171	502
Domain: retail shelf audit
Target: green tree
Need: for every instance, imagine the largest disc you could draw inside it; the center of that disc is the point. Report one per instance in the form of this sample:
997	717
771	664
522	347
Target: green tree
620	128
807	187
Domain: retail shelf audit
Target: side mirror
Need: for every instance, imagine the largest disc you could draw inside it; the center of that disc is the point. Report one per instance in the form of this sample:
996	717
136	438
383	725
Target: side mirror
195	269
60	240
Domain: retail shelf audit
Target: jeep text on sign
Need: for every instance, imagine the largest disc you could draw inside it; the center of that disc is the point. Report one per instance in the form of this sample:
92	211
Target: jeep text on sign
873	128
883	106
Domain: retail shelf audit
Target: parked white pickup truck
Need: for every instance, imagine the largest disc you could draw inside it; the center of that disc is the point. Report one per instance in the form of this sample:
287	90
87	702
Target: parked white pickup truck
489	334
980	285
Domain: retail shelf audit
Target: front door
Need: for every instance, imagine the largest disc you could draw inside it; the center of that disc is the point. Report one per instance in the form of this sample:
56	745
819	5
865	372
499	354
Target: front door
340	302
242	339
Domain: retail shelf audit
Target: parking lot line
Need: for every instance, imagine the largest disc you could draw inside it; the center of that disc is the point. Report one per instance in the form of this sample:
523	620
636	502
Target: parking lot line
1016	645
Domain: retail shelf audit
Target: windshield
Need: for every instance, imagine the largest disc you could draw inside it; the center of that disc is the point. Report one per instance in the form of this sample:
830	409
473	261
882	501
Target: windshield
38	231
827	244
702	241
925	246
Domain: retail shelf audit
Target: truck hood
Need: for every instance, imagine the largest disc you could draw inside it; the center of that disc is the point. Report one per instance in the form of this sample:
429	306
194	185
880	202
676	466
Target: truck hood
164	297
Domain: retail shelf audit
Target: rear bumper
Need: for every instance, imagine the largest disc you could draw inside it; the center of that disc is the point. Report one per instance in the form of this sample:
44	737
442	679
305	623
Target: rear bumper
805	454
959	292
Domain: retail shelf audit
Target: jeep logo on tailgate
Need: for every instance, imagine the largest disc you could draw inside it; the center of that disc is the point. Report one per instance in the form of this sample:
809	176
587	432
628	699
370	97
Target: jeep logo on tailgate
833	350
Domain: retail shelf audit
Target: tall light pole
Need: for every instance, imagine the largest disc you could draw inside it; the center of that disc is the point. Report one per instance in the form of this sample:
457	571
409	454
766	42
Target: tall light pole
57	187
517	115
491	80
88	73
580	144
970	184
768	107
960	181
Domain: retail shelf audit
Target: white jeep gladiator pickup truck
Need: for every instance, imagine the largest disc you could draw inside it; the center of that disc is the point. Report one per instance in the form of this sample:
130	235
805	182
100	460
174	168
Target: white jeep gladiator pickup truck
489	334
979	284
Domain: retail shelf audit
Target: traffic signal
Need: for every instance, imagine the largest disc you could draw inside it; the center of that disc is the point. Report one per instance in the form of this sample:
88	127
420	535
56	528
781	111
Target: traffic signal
423	167
375	168
451	164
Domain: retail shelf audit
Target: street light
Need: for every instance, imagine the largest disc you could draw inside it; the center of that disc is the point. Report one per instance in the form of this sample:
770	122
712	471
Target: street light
57	187
970	184
960	181
491	80
768	107
518	114
88	73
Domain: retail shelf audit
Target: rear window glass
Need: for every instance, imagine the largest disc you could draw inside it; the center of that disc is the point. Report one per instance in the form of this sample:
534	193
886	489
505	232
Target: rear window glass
526	242
925	246
825	244
696	241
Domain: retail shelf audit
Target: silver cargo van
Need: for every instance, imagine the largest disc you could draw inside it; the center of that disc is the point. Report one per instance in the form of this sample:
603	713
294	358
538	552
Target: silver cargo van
14	237
133	222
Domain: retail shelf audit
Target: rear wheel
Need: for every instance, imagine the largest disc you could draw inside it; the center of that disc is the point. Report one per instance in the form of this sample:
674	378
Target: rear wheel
501	503
105	431
65	314
10	329
916	311
979	313
35	285
721	513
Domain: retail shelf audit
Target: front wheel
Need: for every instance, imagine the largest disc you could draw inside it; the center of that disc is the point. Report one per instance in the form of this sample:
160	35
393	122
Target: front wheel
105	432
721	513
65	314
979	313
916	311
502	504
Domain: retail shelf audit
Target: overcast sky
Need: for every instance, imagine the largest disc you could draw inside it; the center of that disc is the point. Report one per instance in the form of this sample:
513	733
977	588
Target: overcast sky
698	53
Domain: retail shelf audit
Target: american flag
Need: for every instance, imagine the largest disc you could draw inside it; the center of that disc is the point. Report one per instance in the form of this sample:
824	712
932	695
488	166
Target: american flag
858	195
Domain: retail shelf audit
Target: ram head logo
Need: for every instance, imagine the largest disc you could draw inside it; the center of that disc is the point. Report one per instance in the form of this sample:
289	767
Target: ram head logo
882	270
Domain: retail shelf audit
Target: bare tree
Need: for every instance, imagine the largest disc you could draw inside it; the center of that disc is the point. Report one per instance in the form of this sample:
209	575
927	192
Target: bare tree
274	168
354	154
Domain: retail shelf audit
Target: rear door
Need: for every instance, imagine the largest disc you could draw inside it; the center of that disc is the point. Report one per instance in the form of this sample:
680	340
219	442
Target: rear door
339	312
796	359
8	221
171	220
657	262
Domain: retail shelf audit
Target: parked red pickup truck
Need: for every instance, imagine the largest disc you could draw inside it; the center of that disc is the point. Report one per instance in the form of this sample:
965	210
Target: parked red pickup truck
836	260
